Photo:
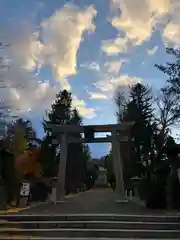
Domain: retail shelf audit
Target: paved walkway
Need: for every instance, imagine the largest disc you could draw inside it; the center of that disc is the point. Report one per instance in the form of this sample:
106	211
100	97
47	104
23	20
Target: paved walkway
93	201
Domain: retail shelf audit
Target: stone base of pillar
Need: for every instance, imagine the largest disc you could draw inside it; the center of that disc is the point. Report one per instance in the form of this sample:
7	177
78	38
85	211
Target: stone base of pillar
2	198
122	201
60	199
23	202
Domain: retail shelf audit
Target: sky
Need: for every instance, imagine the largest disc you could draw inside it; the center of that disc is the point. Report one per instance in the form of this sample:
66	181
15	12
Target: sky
89	47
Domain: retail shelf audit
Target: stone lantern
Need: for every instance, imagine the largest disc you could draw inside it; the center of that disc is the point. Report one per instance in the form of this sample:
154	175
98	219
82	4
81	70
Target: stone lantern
135	182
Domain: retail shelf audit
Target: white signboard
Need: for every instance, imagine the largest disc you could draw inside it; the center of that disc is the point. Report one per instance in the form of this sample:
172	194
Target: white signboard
53	195
179	174
25	189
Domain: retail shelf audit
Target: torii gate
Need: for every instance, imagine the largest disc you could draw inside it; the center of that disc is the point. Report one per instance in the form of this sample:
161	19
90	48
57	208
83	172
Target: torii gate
119	133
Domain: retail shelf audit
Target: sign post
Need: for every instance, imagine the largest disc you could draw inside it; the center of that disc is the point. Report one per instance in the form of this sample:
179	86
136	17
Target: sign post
24	193
53	195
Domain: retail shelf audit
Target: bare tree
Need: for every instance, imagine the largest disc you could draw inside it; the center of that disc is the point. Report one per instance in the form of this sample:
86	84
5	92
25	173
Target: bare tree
168	112
169	101
120	104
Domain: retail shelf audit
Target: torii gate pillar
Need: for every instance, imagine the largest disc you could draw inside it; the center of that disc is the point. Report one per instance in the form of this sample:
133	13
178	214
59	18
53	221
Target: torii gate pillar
60	186
118	168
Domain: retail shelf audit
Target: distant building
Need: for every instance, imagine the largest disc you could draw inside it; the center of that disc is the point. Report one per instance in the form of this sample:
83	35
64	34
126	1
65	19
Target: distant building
98	162
102	177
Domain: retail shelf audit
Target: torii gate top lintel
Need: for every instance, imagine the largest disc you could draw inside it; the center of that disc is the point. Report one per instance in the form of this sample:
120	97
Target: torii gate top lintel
97	128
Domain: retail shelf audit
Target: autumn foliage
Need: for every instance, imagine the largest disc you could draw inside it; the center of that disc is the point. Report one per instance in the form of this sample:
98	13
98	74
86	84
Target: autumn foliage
29	163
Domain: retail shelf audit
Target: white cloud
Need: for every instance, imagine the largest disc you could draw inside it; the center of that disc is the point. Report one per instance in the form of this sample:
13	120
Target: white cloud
126	80
54	43
84	111
115	46
136	20
158	8
65	84
91	66
15	93
110	85
96	95
171	34
114	66
24	90
39	101
152	51
26	48
62	34
77	102
104	85
88	113
43	95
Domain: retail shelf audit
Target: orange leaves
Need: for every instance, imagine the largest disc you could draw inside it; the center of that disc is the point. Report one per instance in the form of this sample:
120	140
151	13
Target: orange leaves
29	163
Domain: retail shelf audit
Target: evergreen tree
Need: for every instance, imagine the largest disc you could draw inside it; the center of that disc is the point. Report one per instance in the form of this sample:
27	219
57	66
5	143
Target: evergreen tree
121	103
138	109
59	114
141	103
30	133
49	161
62	113
108	164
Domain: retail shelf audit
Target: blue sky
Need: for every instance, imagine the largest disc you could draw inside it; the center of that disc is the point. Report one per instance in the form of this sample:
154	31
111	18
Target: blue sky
88	47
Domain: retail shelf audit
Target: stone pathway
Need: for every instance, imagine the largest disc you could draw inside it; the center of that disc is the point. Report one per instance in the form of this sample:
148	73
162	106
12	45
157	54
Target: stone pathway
93	201
94	213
